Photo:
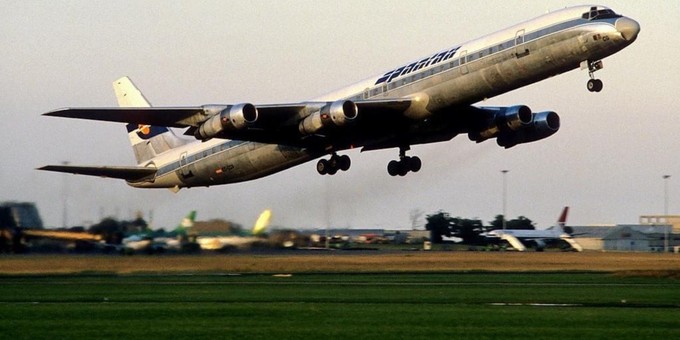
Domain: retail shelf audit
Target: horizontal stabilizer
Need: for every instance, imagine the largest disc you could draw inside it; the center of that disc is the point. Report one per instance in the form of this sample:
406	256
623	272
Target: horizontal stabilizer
157	116
133	174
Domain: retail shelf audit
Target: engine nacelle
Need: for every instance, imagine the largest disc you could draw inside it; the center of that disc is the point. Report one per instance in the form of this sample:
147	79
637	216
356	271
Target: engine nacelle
503	120
233	117
544	125
337	113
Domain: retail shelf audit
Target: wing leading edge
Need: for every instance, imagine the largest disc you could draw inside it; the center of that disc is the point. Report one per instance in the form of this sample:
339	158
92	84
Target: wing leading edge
132	174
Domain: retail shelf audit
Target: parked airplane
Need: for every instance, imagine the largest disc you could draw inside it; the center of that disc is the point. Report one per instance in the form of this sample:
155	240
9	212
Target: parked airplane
517	238
147	243
238	241
428	100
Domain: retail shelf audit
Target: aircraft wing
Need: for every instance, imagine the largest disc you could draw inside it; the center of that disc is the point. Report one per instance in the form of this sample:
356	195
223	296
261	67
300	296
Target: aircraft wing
275	124
178	117
121	172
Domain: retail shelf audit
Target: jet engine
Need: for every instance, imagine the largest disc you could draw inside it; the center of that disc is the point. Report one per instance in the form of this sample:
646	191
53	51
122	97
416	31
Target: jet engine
337	113
502	120
515	125
233	117
544	125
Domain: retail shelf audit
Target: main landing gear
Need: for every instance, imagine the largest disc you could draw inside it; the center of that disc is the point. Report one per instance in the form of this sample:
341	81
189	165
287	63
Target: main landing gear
404	165
332	165
594	85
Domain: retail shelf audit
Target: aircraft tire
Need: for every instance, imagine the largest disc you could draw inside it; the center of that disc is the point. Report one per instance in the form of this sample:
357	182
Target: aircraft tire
594	85
322	166
344	162
414	164
393	168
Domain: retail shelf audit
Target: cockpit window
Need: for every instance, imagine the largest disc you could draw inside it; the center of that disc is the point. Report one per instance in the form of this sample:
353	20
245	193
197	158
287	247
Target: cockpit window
599	14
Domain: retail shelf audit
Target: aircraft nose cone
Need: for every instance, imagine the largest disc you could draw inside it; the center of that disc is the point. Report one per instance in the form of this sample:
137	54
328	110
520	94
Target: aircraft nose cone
628	28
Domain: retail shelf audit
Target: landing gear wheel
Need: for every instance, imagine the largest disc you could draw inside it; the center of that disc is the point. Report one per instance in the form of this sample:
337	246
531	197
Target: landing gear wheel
344	162
393	168
332	165
404	166
322	166
414	164
595	85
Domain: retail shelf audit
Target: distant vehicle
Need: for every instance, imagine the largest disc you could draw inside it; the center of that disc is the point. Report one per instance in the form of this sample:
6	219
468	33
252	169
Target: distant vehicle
518	238
428	100
371	238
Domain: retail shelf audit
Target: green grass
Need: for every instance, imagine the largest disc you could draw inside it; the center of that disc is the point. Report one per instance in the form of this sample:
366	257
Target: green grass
401	305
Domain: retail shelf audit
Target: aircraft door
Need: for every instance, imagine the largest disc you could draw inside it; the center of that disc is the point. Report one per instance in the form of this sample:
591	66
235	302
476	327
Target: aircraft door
520	48
183	168
463	63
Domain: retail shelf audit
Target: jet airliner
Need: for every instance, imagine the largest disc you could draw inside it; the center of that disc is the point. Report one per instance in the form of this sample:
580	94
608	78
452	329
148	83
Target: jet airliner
538	238
425	101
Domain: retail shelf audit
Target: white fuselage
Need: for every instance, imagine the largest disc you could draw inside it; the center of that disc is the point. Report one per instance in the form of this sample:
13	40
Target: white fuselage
461	75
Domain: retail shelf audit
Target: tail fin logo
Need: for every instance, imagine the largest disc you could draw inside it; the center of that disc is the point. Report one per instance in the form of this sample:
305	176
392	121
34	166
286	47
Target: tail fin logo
146	131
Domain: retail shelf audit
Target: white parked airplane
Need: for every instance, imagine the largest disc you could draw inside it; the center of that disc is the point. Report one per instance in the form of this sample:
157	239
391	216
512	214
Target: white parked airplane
255	237
517	238
428	100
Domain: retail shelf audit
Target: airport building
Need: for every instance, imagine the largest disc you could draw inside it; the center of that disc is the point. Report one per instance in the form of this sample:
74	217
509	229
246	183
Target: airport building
627	237
20	215
672	220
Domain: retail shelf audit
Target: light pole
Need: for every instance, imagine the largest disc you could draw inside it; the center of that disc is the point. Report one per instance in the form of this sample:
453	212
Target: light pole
64	216
665	212
505	193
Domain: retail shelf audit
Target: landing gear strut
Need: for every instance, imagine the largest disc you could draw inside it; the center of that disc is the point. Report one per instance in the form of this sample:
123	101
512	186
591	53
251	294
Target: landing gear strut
332	165
594	85
404	165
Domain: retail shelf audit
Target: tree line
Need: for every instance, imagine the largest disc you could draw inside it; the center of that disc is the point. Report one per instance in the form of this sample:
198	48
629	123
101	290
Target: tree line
441	225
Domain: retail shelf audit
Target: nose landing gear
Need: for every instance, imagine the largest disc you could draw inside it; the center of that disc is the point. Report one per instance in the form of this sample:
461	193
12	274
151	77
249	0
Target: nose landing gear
594	85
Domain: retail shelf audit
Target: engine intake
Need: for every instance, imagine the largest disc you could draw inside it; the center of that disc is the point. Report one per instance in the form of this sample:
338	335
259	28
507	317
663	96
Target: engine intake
544	125
337	113
233	117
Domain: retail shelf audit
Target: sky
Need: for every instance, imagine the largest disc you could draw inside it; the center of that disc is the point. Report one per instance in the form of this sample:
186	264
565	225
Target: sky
607	162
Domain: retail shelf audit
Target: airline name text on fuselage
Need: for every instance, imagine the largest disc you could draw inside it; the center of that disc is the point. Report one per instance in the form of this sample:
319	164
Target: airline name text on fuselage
429	61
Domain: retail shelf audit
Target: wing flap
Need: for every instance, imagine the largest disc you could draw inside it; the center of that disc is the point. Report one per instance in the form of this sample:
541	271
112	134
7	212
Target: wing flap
399	105
133	174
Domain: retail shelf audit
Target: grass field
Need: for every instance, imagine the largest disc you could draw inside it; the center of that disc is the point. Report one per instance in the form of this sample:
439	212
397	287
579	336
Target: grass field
342	261
402	295
421	305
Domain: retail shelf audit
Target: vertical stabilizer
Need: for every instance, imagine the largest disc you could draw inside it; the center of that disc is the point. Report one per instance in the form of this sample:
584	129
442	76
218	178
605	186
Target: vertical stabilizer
187	223
262	222
128	95
558	228
147	141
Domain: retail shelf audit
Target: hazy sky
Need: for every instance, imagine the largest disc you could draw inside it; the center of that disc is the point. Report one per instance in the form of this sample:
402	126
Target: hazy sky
606	162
